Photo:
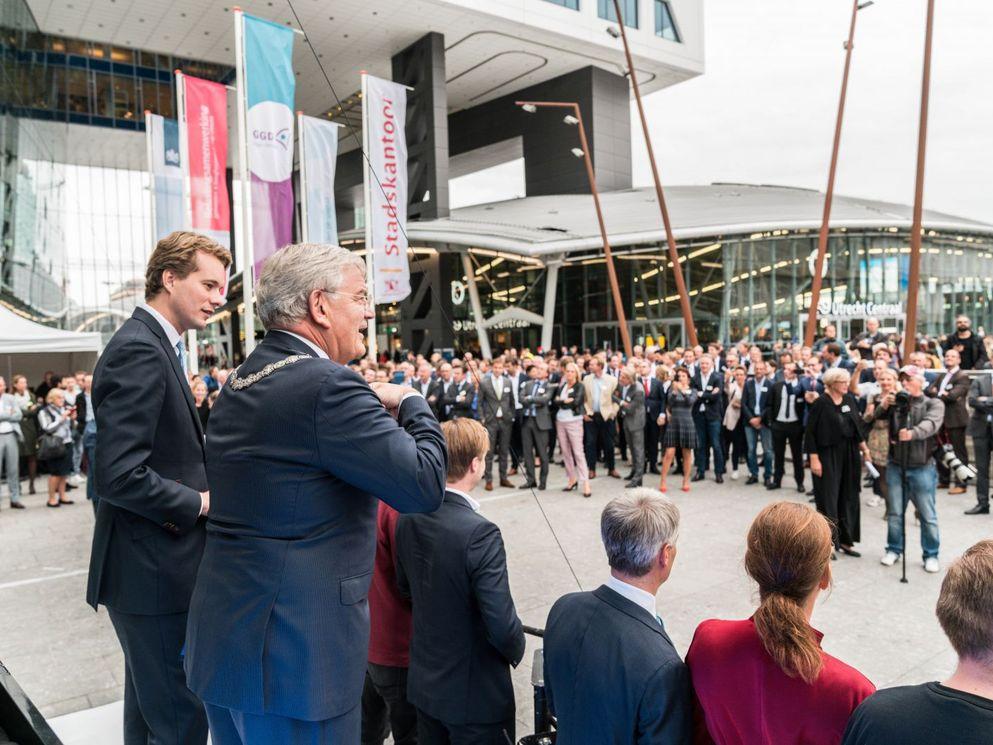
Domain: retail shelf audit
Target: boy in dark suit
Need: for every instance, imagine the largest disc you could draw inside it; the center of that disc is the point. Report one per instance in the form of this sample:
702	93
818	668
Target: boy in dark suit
612	674
452	565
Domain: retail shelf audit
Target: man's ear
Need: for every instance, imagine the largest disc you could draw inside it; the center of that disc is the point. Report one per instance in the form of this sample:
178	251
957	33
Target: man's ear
320	309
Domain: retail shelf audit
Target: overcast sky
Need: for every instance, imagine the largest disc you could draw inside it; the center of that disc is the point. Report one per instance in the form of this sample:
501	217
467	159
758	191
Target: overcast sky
764	110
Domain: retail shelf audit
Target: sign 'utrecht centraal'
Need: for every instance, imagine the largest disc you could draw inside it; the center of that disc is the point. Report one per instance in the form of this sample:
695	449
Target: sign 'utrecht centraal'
270	88
858	310
384	113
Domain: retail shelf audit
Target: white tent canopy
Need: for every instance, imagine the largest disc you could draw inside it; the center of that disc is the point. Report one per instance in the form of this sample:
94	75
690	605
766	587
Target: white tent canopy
31	348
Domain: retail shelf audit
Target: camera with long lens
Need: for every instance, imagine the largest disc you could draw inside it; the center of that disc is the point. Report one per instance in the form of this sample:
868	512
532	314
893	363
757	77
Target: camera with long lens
954	464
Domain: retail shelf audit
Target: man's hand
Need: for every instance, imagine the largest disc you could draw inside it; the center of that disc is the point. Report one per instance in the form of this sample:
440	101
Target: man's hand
905	435
815	466
755	421
587	418
205	502
390	394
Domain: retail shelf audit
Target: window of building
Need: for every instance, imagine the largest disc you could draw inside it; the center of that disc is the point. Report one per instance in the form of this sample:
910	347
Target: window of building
77	92
665	23
605	9
103	94
119	54
571	4
125	103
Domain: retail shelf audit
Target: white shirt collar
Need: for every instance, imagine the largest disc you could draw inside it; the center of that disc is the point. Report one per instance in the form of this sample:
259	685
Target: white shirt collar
472	502
317	350
172	335
635	594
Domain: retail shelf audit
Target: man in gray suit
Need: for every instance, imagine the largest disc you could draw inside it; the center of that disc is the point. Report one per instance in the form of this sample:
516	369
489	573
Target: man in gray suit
630	395
981	430
496	409
536	394
10	436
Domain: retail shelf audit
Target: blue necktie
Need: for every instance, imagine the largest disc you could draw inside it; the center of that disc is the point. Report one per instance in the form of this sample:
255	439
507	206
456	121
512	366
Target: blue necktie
181	352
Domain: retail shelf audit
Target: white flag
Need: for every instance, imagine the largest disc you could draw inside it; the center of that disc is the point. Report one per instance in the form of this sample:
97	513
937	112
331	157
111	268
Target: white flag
167	174
318	154
384	112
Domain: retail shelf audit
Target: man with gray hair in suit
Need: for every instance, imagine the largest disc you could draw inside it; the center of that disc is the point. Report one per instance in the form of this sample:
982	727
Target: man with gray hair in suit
630	396
10	436
611	672
301	450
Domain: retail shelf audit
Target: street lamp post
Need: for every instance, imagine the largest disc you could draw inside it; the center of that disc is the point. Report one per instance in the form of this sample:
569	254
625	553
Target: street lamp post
583	151
684	298
822	241
910	326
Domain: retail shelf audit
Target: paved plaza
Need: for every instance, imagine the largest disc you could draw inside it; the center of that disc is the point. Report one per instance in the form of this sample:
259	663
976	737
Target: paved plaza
67	658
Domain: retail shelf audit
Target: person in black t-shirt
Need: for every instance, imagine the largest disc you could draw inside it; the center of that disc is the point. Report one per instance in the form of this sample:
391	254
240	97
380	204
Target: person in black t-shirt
960	710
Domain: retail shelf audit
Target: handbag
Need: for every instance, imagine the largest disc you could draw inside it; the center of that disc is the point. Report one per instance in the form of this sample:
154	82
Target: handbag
50	446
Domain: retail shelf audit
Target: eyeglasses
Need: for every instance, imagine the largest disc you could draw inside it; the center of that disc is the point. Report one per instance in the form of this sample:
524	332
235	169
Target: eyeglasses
361	298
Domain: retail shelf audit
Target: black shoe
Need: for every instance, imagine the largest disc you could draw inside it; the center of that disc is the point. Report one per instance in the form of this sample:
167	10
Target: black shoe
770	485
70	487
719	478
571	488
767	483
751	480
850	552
529	485
19	506
633	484
812	500
979	509
629	476
810	494
541	487
799	488
698	476
655	470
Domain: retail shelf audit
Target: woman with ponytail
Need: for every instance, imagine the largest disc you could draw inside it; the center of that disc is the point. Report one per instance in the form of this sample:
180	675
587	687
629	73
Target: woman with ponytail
765	680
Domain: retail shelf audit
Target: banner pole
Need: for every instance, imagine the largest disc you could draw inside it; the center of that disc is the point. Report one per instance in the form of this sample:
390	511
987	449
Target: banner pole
371	350
150	156
304	228
246	253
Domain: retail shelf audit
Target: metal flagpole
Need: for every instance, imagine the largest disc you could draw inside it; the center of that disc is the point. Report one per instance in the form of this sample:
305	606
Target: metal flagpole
367	195
192	358
247	253
677	271
910	327
150	155
301	150
822	241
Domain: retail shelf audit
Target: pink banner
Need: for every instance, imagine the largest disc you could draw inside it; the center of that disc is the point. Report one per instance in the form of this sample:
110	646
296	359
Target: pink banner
207	143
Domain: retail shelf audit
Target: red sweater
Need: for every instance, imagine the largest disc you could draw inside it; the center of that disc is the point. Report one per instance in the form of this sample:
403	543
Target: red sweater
389	612
744	698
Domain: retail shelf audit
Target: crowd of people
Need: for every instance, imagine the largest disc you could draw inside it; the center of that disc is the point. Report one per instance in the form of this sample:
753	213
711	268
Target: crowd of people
289	491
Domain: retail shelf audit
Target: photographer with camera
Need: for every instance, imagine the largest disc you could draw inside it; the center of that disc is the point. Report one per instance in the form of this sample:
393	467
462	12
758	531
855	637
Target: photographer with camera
914	420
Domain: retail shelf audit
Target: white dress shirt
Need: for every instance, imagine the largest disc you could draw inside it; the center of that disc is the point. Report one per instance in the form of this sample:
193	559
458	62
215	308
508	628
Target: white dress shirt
635	594
172	335
946	382
317	350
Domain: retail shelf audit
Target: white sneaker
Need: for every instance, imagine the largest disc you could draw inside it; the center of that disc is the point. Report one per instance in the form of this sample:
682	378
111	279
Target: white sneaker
890	559
734	475
931	565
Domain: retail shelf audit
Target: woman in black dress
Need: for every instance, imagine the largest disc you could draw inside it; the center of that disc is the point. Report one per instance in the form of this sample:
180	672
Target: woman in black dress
680	432
833	440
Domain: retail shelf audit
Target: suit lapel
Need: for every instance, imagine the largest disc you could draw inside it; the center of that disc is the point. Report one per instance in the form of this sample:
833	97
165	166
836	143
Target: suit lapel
628	608
156	328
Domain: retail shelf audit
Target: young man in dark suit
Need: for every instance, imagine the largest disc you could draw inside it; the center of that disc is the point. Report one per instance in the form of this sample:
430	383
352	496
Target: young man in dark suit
536	397
496	408
786	412
458	400
755	410
612	674
707	417
466	634
152	481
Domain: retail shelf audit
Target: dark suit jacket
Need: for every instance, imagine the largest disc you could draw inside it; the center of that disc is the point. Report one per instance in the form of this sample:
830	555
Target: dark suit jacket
776	400
539	393
81	412
954	398
279	621
655	400
981	402
466	635
461	409
577	393
148	537
430	390
748	396
488	402
612	674
712	400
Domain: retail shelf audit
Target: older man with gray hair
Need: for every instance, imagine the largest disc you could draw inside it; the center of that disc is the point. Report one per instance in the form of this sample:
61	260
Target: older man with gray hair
301	449
611	671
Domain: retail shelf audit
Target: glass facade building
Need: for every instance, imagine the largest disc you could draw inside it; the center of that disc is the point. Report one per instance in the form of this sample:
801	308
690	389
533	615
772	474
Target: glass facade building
74	186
